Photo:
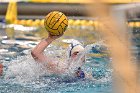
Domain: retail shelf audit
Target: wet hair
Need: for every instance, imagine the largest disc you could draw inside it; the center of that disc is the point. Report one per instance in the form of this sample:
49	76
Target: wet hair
79	68
80	73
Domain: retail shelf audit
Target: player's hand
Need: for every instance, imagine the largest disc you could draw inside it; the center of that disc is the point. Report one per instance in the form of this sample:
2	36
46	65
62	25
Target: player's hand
54	37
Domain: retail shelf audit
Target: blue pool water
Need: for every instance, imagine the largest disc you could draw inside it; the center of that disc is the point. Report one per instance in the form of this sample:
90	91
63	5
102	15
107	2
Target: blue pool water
99	65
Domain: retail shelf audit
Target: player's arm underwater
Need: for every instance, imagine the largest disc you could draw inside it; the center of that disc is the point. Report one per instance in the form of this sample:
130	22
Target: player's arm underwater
38	52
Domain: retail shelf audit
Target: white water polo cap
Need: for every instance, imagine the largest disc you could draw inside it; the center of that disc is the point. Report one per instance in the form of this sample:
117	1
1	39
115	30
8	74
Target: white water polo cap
75	46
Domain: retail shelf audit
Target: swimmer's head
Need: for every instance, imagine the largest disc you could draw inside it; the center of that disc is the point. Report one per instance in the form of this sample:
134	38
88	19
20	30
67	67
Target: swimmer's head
76	55
75	49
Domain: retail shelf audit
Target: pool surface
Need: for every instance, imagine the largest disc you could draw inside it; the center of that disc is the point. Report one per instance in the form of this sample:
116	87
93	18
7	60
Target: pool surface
98	63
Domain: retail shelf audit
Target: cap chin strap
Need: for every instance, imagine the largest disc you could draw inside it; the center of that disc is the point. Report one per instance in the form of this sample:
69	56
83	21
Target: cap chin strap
72	46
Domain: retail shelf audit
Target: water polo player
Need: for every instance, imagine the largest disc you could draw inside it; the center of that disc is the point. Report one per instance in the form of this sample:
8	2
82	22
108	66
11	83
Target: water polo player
27	68
75	53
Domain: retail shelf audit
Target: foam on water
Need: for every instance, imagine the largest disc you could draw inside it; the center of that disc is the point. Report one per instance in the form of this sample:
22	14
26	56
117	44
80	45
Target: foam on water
24	69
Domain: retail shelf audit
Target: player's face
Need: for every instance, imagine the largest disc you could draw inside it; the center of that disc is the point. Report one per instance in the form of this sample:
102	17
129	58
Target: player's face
74	55
78	54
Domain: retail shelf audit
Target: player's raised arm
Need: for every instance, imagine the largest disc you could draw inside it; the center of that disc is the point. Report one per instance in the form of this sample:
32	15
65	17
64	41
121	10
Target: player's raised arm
38	52
55	23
